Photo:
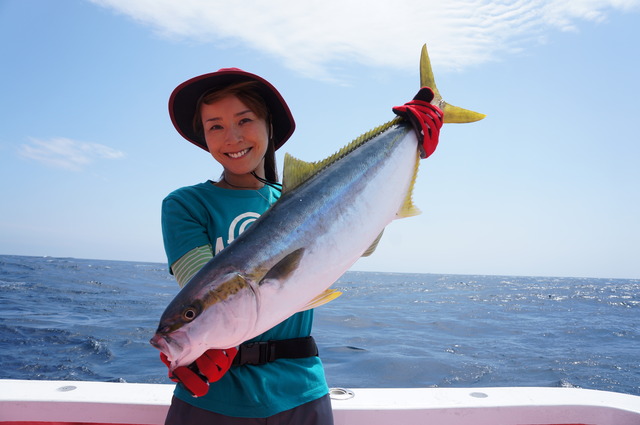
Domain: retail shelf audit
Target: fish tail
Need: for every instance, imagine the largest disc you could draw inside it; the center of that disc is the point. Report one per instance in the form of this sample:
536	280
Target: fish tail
452	114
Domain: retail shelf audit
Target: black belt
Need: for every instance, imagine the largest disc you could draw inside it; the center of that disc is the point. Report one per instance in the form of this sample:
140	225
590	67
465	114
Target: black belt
258	353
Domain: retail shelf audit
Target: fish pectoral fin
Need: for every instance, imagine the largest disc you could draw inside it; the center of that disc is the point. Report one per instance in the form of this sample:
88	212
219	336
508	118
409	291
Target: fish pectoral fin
323	298
284	267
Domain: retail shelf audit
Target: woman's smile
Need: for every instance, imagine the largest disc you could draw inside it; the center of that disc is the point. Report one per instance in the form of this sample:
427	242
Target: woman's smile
239	154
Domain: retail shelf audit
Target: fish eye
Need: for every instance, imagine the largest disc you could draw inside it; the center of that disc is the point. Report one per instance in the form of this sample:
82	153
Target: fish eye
189	314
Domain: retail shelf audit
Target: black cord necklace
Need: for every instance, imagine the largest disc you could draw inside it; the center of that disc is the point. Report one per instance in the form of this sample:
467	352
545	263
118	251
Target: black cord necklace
224	179
275	185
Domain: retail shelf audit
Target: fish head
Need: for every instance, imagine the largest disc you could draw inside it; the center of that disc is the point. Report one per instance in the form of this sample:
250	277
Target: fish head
174	337
206	314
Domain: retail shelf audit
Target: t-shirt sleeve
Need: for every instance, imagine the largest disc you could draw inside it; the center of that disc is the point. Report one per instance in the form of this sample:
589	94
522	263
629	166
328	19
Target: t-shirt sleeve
190	263
182	229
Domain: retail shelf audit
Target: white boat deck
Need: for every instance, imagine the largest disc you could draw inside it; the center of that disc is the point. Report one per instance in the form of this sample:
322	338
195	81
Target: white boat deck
80	402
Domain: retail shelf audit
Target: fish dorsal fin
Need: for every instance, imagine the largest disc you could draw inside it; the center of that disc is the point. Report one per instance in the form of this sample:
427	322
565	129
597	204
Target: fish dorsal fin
408	209
284	267
452	114
323	298
297	171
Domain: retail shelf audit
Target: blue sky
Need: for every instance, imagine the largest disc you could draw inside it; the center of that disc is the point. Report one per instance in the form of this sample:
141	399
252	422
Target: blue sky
546	185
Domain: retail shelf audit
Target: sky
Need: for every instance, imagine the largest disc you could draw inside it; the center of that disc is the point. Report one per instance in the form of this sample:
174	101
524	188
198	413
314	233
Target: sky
547	185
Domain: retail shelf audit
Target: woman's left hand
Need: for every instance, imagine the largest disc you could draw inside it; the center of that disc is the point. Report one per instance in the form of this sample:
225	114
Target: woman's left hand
425	118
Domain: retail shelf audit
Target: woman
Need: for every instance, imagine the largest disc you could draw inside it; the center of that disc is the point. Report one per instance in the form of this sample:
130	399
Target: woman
241	119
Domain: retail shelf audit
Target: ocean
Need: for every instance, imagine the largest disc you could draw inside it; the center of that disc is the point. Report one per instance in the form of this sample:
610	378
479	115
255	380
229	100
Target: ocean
76	319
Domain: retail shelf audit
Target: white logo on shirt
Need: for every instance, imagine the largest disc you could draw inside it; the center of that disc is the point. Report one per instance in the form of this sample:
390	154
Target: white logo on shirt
237	226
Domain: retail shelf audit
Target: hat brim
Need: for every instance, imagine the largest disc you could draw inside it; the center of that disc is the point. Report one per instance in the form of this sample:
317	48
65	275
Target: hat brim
184	99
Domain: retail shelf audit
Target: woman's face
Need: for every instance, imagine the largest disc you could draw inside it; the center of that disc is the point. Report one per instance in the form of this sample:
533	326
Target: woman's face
236	137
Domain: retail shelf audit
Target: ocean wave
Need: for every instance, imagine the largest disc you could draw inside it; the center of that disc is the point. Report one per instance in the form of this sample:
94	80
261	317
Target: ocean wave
92	320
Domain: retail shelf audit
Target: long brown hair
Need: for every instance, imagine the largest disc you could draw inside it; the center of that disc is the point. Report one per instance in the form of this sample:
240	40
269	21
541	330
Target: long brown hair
245	91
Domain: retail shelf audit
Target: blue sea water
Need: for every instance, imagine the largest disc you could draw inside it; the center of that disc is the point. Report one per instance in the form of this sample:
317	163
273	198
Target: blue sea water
72	319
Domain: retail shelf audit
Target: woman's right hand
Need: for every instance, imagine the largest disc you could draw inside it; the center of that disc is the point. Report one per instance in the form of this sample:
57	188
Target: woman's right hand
209	367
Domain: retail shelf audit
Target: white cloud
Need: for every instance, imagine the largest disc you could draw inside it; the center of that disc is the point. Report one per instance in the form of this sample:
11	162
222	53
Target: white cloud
65	153
315	36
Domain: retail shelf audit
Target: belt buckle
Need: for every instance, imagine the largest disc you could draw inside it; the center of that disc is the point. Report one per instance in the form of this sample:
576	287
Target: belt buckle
255	353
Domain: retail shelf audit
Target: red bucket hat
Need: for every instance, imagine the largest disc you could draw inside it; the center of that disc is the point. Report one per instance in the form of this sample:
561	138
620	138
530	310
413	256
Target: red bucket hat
184	99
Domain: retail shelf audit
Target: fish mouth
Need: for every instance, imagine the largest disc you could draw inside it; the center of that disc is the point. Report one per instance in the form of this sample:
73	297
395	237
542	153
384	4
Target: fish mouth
159	342
175	349
167	345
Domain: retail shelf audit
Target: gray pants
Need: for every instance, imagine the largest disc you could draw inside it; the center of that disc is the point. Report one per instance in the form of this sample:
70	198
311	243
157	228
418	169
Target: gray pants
316	412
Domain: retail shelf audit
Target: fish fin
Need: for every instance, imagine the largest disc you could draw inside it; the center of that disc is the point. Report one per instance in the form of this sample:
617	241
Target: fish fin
373	246
452	114
230	286
323	298
296	171
284	267
408	209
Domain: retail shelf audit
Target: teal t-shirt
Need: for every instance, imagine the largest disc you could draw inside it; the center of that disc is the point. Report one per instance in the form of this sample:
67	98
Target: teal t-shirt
206	214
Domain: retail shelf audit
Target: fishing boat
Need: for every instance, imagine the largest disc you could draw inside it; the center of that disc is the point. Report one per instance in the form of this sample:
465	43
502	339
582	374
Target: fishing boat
27	402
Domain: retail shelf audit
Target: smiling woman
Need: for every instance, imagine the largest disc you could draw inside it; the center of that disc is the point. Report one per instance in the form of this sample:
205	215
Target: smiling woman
240	119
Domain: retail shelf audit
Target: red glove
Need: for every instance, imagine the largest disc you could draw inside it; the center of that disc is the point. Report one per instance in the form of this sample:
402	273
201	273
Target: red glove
209	367
425	118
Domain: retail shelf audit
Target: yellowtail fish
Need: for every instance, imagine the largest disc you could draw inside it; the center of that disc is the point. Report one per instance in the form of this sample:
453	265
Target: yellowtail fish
331	213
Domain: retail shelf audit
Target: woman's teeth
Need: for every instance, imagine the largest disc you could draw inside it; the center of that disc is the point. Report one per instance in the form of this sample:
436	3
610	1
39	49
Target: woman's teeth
236	155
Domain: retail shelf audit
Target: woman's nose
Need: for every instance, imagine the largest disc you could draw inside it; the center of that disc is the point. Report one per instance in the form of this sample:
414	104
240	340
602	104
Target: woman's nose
234	135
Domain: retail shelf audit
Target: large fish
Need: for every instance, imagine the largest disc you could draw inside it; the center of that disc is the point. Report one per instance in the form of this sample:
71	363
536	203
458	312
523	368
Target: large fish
330	214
